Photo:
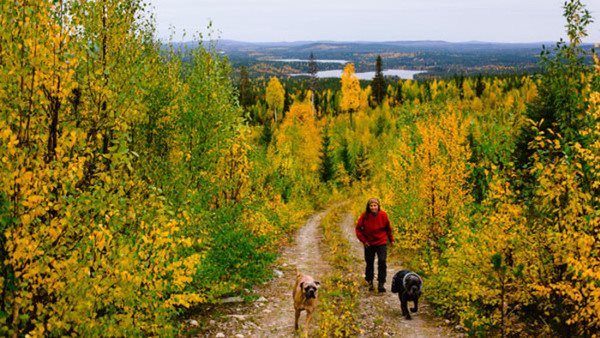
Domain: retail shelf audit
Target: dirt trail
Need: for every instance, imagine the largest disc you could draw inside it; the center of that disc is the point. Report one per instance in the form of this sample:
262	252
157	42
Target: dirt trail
272	314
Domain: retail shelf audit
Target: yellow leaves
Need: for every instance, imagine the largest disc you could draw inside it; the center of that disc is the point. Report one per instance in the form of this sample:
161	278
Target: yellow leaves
233	175
351	92
78	205
300	113
32	201
5	132
22	248
55	229
274	96
297	143
258	223
185	299
440	162
566	229
26	219
12	144
101	237
557	145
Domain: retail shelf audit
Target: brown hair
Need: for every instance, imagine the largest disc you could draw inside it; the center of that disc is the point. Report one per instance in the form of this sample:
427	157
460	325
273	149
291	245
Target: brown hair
373	200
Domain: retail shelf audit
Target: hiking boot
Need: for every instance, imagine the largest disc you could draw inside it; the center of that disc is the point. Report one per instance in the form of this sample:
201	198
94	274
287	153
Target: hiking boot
381	288
370	285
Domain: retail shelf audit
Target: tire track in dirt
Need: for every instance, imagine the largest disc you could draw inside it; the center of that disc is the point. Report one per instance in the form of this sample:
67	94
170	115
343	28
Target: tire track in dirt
380	314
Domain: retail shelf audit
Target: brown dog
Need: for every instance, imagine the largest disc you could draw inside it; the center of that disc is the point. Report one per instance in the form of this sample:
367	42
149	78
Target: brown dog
305	297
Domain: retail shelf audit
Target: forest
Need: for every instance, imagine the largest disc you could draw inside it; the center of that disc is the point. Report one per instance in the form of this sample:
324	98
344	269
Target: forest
139	180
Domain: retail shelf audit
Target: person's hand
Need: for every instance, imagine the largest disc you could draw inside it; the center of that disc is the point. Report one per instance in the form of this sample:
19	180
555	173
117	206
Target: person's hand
366	245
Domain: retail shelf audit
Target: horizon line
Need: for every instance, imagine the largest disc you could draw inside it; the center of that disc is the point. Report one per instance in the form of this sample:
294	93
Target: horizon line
376	41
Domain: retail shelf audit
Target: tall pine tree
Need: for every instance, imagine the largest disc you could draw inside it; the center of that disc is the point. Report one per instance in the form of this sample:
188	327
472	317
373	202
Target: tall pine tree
327	167
245	88
378	84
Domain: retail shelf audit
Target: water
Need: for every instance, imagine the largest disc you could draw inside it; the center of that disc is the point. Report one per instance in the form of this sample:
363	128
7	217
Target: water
401	73
343	62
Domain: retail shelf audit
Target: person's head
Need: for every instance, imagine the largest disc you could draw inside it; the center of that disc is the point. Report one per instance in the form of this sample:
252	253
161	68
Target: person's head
373	205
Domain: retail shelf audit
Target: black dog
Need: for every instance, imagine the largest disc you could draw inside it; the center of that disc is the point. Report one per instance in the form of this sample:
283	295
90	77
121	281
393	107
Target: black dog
408	285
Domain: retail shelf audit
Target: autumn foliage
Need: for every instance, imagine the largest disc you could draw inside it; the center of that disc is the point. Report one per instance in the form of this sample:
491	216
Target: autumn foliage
111	202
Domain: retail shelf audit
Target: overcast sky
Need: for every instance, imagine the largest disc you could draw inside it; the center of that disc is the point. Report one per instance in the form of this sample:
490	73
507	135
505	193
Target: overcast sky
372	20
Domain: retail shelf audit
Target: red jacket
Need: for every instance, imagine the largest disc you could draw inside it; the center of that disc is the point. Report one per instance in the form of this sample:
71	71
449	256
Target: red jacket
374	229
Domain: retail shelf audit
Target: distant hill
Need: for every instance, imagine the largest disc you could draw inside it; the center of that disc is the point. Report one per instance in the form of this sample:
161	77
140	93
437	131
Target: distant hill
437	58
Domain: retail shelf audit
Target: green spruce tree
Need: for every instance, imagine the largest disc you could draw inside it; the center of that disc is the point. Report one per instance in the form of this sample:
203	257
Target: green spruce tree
378	84
327	167
245	88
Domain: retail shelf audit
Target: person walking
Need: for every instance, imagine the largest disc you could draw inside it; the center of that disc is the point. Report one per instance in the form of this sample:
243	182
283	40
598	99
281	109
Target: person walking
373	230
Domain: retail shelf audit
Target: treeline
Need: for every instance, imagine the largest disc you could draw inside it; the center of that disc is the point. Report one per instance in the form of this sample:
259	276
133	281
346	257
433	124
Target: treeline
327	91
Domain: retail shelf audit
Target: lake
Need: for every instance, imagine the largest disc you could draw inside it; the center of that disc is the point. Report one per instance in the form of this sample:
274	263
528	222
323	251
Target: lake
401	73
316	60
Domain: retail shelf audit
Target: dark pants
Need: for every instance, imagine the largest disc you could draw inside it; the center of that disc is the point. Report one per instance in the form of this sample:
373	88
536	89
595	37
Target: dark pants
381	251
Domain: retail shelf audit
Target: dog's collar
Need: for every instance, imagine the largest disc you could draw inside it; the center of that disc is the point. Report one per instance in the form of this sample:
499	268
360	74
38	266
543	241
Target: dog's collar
412	273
